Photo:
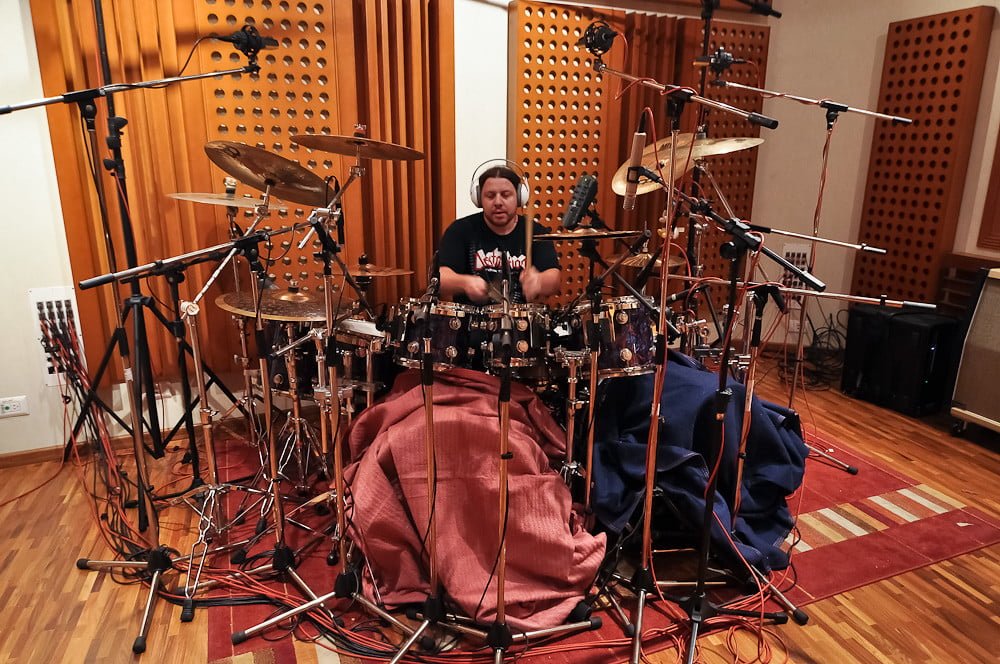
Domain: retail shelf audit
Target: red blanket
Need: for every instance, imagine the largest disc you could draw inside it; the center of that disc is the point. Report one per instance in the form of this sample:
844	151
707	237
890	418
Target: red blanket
551	558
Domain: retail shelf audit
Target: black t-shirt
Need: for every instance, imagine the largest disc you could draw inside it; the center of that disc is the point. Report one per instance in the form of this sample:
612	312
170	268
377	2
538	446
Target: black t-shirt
469	246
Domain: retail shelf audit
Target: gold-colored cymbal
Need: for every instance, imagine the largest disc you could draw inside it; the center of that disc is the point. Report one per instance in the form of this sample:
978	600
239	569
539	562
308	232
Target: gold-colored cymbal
586	233
283	305
643	258
372	270
229	200
659	149
259	169
357	146
711	147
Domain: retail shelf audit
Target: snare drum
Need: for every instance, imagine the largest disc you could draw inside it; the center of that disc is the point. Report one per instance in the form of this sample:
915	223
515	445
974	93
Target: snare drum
296	364
529	334
450	326
626	330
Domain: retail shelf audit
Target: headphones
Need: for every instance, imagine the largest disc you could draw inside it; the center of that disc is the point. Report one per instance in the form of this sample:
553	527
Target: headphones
522	186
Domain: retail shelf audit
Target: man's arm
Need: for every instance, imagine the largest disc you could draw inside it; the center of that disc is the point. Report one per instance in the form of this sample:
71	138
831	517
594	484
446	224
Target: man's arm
470	285
540	285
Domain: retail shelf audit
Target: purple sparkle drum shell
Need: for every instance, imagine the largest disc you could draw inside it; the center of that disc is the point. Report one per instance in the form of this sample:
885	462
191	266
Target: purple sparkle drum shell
450	327
628	346
529	329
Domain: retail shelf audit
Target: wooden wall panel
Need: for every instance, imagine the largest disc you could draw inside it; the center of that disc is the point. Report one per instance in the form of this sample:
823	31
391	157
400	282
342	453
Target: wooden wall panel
387	64
932	72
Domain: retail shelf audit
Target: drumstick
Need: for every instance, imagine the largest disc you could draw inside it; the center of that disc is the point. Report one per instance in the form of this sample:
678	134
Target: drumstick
529	233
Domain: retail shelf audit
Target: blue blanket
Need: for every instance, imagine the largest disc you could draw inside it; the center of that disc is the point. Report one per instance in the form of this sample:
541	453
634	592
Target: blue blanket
773	468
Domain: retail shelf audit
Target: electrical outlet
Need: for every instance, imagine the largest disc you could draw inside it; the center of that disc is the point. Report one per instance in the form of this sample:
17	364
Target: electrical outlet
13	406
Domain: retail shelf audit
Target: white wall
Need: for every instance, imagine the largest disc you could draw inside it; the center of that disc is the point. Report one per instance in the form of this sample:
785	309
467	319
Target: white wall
32	233
480	90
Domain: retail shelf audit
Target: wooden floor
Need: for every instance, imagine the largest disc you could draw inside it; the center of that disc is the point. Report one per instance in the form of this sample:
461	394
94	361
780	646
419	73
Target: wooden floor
942	613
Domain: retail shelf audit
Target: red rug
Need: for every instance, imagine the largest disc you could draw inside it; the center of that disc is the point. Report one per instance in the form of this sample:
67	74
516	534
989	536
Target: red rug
852	530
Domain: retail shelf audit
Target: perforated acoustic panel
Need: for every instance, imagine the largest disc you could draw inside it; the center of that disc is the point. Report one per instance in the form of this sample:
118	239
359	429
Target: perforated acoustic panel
932	72
734	173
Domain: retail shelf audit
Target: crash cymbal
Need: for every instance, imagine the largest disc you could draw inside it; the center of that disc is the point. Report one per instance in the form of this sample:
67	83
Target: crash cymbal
642	259
659	149
226	199
587	233
259	168
284	305
711	147
372	270
358	146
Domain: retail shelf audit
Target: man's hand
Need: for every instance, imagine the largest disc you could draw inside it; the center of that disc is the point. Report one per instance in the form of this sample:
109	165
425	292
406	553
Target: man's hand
476	289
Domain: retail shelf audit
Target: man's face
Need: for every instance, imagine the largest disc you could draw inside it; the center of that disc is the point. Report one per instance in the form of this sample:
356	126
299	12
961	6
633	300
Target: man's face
499	199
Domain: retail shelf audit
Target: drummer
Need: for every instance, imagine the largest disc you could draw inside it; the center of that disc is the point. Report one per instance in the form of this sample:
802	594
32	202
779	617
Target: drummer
472	265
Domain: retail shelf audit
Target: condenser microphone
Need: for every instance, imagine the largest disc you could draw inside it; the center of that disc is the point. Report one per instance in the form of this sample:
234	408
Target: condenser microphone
583	196
719	61
762	8
634	164
247	40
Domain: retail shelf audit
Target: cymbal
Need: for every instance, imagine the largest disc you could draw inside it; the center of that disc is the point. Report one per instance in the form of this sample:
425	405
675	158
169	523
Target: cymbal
662	149
642	259
283	305
711	147
357	146
226	199
259	168
586	233
372	270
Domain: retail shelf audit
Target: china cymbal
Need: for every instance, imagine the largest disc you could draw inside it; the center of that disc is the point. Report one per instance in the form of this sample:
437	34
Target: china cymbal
586	233
711	147
643	258
357	146
372	270
226	199
259	168
662	149
283	305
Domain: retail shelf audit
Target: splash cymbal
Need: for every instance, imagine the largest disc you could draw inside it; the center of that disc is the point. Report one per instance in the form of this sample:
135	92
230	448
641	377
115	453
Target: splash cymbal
586	233
284	305
229	200
259	169
357	146
711	147
649	160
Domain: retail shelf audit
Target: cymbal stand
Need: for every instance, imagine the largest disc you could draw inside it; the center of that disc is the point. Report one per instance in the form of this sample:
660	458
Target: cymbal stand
572	360
433	608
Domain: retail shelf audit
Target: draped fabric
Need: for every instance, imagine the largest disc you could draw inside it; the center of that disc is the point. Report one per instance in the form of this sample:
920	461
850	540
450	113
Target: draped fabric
773	467
384	64
551	558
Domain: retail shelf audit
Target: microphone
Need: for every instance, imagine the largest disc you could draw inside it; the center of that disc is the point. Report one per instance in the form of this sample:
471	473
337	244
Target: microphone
762	8
583	196
434	275
248	41
598	38
719	61
634	164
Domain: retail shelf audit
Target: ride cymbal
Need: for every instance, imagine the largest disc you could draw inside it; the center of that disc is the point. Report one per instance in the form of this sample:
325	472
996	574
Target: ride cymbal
357	146
228	200
283	305
642	259
260	169
587	233
649	161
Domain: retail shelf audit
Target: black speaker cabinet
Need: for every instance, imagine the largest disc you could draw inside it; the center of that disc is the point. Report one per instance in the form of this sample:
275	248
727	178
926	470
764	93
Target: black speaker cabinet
899	358
975	398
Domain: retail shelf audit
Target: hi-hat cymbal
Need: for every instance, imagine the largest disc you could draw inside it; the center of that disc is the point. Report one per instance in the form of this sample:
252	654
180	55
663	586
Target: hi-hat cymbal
372	270
229	200
711	147
259	169
283	305
357	146
586	233
659	149
642	259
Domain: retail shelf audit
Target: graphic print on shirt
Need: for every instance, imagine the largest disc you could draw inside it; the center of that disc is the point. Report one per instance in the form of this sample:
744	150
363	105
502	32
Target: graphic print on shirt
494	261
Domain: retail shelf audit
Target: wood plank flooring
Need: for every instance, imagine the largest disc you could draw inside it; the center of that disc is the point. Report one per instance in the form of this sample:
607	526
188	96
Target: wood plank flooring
947	612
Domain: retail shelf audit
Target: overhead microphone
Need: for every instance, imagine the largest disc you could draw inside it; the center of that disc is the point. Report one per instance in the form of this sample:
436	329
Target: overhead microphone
583	196
635	164
598	38
719	61
248	41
